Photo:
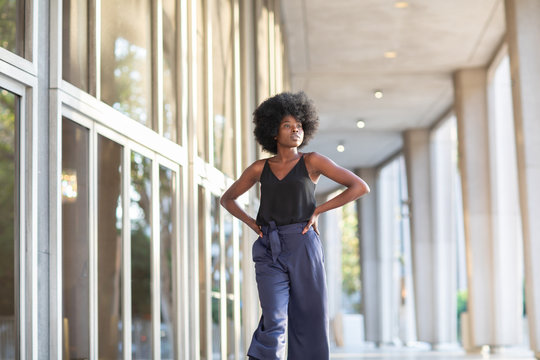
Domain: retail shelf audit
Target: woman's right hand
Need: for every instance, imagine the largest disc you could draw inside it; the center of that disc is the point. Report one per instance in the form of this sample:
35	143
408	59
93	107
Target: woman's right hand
256	228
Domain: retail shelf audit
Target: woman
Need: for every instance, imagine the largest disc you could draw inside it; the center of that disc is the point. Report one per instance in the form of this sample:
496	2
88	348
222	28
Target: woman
288	253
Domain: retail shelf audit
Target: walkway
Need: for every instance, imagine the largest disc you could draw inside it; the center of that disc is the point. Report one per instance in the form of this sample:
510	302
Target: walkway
367	353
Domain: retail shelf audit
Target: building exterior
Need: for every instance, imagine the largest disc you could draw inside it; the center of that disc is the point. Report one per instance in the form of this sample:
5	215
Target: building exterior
121	123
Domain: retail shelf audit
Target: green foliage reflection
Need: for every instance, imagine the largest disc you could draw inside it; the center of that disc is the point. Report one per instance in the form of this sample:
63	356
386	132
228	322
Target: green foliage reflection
350	259
7	203
8	24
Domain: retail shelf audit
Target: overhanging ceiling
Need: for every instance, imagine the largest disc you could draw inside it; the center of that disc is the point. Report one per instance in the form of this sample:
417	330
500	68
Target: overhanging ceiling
336	51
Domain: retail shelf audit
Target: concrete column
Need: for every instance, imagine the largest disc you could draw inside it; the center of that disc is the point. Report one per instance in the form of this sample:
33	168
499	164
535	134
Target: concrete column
367	223
523	36
380	292
493	315
331	238
433	243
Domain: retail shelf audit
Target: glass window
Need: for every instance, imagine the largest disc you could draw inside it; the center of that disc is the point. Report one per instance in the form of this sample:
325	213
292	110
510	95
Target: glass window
168	313
8	235
126	49
350	260
75	240
110	213
203	294
229	278
241	289
75	42
202	116
216	277
170	72
12	25
223	85
140	215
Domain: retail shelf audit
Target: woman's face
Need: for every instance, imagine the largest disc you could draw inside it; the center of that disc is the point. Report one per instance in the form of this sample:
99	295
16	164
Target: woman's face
290	133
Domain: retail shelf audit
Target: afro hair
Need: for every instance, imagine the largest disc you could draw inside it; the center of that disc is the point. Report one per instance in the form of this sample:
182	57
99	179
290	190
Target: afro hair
268	115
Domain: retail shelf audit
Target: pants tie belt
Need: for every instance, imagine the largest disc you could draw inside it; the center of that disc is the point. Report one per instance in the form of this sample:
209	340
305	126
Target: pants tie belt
273	231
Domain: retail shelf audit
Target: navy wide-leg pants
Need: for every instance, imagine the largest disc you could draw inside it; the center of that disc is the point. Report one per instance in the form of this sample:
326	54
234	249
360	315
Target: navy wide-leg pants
291	280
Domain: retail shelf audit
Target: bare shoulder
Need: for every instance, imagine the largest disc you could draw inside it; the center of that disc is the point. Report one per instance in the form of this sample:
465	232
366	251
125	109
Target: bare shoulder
317	161
253	171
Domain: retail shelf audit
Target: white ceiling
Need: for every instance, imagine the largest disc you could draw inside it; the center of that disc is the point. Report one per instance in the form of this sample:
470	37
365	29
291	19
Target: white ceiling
336	52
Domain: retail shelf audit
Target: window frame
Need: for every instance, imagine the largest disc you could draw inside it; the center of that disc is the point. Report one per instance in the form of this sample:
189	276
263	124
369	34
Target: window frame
87	116
29	38
23	85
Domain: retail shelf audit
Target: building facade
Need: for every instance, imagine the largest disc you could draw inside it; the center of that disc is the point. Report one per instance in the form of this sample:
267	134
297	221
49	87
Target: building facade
122	123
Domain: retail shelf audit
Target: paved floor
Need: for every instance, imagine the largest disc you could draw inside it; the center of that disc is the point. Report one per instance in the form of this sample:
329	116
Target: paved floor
363	353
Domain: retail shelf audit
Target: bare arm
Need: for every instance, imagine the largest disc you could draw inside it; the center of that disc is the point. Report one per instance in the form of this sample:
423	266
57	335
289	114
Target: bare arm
356	187
249	177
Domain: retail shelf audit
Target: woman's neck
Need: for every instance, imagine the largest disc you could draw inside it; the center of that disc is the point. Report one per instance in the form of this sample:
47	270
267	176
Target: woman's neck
287	154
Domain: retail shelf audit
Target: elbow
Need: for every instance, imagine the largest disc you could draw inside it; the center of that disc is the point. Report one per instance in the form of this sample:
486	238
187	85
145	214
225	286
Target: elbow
365	189
223	201
362	189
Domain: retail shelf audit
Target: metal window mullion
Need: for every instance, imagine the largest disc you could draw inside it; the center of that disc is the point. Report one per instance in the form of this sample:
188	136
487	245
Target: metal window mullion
56	15
278	37
183	239
155	261
94	47
29	116
182	54
222	284
209	70
237	91
271	47
92	243
94	66
157	65
126	255
208	279
19	222
191	77
22	237
178	269
55	225
236	287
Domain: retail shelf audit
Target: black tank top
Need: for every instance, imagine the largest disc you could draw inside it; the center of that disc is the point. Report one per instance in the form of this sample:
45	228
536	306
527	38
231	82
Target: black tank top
289	200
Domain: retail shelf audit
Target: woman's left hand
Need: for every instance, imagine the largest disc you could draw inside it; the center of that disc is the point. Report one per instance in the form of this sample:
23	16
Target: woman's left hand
313	221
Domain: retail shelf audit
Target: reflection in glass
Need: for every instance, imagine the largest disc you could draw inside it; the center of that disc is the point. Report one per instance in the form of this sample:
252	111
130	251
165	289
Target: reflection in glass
229	281
8	241
241	283
170	35
202	120
12	25
110	214
216	332
139	214
216	276
223	85
215	249
166	202
229	252
126	57
231	339
203	294
75	42
75	240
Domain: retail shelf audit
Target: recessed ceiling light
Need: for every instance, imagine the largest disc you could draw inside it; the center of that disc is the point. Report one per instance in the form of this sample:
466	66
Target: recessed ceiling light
341	147
378	94
390	54
401	4
361	124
